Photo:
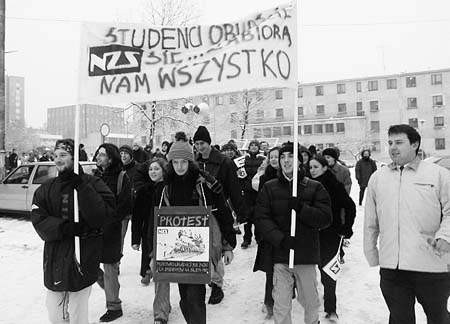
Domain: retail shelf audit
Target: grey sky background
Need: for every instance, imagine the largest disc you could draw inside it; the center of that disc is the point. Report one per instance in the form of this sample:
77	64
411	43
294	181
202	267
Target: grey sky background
337	39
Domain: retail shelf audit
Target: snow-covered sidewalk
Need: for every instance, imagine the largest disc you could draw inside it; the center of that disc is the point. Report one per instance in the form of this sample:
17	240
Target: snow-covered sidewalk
22	297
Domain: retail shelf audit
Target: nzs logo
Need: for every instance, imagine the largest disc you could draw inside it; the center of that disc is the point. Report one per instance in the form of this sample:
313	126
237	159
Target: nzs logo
114	59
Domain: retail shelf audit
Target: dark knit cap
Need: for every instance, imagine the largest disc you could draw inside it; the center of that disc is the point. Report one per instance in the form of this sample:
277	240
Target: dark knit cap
202	134
289	147
180	150
126	149
66	144
330	152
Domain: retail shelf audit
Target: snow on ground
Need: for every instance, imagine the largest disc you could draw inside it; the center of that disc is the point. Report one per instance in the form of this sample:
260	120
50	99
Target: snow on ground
22	293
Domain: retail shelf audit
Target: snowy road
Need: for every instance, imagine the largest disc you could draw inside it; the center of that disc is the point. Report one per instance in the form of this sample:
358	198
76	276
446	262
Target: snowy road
22	293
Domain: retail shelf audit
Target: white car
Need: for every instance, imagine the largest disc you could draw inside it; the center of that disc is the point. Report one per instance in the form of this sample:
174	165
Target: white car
17	189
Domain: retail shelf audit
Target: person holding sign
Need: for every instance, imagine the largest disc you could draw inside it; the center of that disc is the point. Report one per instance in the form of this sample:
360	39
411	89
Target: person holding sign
341	227
407	230
142	227
69	282
184	187
273	222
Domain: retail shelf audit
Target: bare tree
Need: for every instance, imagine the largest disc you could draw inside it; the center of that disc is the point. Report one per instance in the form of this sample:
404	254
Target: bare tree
250	104
171	12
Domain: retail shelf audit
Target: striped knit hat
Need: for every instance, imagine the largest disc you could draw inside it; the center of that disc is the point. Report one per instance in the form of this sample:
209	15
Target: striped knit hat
180	150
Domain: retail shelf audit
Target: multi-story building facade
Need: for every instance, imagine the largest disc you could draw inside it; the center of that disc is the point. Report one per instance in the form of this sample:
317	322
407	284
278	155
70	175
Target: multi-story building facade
350	113
15	100
61	121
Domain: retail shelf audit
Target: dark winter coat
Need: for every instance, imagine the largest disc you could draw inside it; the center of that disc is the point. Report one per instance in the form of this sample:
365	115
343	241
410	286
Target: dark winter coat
363	171
143	219
139	155
224	170
131	170
112	232
182	191
263	260
273	218
252	163
342	220
83	155
53	206
13	160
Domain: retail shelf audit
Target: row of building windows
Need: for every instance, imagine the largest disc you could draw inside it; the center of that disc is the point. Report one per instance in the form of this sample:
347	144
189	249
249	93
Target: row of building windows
373	85
438	121
437	101
278	131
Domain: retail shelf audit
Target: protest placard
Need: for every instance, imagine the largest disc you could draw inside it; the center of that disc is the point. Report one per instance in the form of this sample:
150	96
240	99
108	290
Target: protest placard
136	62
182	244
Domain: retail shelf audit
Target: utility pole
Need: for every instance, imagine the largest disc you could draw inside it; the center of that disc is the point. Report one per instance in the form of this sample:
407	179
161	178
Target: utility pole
2	89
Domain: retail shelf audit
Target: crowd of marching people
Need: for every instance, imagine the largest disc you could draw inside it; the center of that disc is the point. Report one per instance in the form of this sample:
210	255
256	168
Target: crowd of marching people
252	188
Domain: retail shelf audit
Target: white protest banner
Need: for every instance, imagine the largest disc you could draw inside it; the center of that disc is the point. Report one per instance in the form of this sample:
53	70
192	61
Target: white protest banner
136	62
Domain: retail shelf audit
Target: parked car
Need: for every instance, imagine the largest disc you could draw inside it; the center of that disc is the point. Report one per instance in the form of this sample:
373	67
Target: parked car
17	189
443	161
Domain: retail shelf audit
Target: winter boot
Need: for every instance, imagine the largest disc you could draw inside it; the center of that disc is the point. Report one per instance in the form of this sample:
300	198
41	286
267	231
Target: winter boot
216	294
160	321
111	315
269	310
146	279
332	317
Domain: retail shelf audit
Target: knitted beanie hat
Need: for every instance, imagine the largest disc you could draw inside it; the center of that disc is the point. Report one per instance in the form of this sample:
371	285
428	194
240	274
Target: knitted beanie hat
66	144
126	149
289	147
202	134
330	152
180	150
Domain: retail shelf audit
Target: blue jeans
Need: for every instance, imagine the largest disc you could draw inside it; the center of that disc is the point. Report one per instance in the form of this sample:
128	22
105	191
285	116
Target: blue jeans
112	286
161	302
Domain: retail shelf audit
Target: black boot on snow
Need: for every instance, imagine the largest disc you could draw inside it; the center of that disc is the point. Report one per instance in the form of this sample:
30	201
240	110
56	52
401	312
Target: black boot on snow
216	295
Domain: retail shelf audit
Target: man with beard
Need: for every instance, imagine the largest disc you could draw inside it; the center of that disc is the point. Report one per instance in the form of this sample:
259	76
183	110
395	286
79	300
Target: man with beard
110	171
68	280
363	170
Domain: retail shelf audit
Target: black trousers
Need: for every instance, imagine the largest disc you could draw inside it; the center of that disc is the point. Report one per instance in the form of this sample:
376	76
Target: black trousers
145	255
248	231
361	194
400	289
329	244
268	299
192	303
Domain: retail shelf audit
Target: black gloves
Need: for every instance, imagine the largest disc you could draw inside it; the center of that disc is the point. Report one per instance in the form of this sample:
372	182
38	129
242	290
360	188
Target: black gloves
288	242
295	203
212	182
70	228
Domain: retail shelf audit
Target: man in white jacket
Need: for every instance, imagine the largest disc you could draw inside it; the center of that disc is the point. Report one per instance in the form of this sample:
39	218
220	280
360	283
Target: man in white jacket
407	230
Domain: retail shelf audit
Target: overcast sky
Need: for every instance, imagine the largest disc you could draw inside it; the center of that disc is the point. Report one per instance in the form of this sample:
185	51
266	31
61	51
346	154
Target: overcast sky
337	39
